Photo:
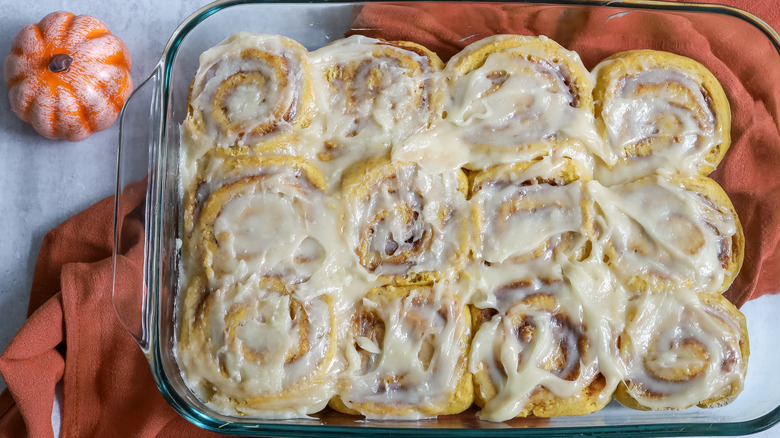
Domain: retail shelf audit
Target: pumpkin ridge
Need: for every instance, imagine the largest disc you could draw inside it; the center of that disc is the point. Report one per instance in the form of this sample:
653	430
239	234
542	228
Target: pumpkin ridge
41	118
41	40
117	103
55	104
110	97
52	27
57	81
14	80
98	34
117	100
85	115
79	117
27	117
19	77
118	59
94	30
114	100
115	57
62	38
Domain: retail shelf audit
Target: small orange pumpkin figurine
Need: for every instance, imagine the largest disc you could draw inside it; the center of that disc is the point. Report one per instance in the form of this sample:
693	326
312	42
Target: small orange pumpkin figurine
68	76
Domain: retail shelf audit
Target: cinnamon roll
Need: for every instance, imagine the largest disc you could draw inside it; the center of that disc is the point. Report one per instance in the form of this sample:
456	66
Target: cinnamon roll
265	216
661	232
531	209
659	110
511	93
406	224
258	348
532	353
406	353
376	93
681	349
250	91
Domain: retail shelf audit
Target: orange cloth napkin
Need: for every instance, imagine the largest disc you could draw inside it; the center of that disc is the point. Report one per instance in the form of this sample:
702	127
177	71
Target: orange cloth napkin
73	335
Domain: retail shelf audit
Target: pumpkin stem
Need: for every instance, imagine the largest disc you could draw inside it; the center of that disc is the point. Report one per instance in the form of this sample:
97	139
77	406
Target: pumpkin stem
60	63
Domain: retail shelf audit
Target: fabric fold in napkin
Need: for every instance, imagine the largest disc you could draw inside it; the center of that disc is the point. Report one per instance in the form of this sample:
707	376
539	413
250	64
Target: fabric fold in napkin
72	334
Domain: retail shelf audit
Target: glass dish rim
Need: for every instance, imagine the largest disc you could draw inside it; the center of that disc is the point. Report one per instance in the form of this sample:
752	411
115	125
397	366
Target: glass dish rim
152	242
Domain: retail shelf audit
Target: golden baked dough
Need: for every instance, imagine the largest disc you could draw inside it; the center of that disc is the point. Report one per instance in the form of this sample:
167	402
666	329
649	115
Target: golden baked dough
681	349
251	92
532	354
510	94
531	209
658	109
258	348
406	353
406	225
377	92
239	219
664	232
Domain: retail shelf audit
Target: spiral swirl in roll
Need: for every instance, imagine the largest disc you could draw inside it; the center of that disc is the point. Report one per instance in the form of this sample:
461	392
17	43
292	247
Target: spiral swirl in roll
510	93
660	110
250	91
377	92
406	354
665	232
264	216
532	354
257	348
681	349
531	209
405	223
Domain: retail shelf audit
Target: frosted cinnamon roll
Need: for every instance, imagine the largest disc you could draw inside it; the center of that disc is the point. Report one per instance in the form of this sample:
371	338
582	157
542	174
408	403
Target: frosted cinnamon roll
406	353
404	223
532	354
660	110
264	216
531	210
511	93
257	348
250	91
681	349
375	93
662	232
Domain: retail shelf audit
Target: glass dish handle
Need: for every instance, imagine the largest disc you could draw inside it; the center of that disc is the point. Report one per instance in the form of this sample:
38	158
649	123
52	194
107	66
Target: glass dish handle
139	141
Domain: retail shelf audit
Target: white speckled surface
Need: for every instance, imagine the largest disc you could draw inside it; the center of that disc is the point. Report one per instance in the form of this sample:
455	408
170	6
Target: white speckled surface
47	181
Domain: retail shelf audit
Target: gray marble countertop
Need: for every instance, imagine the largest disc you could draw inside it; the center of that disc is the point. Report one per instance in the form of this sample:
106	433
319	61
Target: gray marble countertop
47	181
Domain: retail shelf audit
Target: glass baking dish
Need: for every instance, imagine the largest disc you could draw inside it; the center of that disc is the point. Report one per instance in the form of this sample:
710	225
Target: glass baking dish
148	161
